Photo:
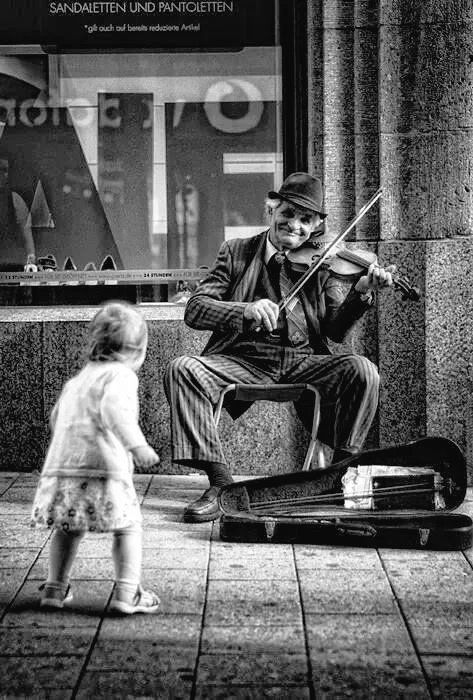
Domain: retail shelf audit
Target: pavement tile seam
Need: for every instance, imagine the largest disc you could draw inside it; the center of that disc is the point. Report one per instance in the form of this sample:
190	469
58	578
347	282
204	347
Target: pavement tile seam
253	686
245	652
88	655
203	614
264	624
39	655
303	612
34	669
442	666
467	555
242	579
409	631
245	692
451	677
5	486
447	655
19	587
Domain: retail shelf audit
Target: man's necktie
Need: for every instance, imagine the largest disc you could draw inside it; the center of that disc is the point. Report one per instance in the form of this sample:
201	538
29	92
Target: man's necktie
297	330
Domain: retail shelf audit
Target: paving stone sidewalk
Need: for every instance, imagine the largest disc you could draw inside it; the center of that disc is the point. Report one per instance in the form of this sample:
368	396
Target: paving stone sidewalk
237	620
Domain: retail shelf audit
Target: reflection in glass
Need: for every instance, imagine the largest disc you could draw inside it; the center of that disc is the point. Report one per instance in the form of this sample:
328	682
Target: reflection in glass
150	159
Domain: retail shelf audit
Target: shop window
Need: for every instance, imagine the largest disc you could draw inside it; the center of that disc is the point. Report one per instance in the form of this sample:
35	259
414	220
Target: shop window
134	162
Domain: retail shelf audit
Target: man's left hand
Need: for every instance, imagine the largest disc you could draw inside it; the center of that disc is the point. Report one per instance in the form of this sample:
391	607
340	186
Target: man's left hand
376	278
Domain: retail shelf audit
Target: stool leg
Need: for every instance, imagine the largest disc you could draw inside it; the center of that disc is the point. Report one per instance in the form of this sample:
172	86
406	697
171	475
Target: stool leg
218	409
309	455
314	446
313	438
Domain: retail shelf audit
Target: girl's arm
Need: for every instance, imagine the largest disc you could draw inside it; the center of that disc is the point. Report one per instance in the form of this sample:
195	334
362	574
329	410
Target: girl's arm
119	409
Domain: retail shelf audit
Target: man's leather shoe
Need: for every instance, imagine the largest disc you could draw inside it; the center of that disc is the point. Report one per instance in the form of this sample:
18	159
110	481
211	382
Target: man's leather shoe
204	508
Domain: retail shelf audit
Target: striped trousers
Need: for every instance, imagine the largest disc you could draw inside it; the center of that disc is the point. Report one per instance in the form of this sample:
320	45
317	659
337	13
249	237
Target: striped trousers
348	387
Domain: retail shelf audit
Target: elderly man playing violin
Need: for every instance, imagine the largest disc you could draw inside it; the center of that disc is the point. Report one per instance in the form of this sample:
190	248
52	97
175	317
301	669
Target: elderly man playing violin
253	342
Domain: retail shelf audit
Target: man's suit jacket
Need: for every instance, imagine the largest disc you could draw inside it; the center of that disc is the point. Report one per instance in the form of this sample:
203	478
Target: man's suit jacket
219	301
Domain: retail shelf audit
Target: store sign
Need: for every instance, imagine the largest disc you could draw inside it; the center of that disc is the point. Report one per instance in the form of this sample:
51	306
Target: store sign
152	24
85	25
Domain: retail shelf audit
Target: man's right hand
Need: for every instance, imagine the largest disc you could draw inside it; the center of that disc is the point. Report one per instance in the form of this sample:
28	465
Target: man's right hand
264	314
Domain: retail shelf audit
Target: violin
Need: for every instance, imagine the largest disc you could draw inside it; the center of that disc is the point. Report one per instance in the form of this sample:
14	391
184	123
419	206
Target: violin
334	251
346	263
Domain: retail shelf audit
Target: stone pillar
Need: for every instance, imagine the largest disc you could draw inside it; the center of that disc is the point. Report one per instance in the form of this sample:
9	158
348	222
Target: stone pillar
343	100
426	149
343	130
391	104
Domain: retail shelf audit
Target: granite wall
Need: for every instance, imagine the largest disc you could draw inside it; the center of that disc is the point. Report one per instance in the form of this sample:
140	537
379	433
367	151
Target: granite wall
391	105
41	348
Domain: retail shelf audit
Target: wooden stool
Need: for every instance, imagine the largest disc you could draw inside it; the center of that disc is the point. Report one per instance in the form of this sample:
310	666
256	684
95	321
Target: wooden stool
280	393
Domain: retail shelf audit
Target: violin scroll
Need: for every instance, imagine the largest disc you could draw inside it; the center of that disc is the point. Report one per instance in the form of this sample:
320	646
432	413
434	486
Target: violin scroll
409	293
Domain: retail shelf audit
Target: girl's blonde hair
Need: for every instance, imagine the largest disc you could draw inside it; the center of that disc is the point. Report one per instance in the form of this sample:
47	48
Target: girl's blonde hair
115	331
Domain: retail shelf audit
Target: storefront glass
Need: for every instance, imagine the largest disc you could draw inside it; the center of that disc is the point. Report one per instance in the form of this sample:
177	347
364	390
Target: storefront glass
134	161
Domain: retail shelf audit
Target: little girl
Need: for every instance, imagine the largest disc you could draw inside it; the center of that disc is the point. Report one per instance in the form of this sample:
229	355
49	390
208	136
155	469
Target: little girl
86	482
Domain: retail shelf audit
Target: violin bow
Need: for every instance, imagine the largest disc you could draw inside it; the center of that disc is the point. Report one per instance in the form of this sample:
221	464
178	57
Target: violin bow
331	498
298	286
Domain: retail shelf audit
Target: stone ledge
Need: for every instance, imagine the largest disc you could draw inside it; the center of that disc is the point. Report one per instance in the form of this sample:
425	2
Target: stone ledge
40	348
28	314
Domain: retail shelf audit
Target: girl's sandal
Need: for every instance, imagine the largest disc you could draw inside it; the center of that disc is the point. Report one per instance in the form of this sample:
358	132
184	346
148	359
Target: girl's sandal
54	596
143	602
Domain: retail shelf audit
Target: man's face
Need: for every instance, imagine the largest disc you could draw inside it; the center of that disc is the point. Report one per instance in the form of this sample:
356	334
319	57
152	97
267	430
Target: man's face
3	173
291	226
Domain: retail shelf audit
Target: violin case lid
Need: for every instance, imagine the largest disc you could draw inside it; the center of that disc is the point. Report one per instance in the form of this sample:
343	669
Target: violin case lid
309	507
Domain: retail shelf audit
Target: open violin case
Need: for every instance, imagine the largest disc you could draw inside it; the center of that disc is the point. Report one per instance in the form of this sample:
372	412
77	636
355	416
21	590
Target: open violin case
400	496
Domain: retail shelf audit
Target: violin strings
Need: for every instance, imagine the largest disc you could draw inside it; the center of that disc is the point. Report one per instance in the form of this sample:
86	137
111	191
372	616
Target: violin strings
340	496
311	513
353	257
317	501
274	510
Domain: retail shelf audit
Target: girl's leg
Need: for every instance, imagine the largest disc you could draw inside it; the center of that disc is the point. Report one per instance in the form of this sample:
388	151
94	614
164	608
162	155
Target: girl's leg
63	551
64	546
129	597
127	554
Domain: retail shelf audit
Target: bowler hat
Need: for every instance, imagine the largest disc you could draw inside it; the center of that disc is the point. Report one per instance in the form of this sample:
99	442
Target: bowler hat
303	190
